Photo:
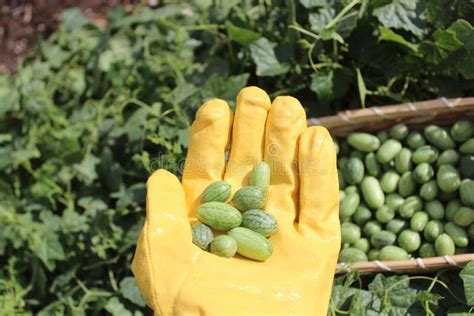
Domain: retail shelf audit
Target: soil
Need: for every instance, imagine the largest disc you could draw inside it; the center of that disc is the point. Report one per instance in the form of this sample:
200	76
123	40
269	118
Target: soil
22	22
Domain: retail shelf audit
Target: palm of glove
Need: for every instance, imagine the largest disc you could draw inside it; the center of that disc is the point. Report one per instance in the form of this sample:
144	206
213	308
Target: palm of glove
176	277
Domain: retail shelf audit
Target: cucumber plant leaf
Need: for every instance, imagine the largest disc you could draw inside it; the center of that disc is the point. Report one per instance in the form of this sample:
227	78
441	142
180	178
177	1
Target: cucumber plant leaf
263	55
467	275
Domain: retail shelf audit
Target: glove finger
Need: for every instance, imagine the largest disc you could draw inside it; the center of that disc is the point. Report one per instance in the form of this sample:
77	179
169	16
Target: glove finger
247	135
286	122
165	246
319	188
205	161
165	203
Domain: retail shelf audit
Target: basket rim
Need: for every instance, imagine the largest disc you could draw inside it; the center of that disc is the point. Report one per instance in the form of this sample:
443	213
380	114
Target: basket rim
421	111
410	265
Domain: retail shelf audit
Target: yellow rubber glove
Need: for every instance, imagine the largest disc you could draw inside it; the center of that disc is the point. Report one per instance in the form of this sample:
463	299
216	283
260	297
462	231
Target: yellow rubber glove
177	278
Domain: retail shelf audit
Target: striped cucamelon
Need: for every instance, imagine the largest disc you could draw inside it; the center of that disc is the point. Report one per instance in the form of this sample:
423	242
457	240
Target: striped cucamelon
202	236
260	176
251	244
218	215
259	221
248	198
218	191
224	246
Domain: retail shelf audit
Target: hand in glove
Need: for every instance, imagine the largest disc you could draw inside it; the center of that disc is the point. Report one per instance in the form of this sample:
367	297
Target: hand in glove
178	278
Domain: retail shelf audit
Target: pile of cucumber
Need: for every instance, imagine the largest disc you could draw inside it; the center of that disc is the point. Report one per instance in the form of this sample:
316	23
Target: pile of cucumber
241	226
407	193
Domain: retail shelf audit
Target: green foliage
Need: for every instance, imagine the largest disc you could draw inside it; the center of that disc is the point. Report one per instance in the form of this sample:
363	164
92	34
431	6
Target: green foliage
92	112
439	294
467	275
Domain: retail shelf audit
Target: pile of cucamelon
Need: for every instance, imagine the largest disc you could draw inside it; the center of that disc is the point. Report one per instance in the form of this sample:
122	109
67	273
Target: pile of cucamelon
407	193
247	231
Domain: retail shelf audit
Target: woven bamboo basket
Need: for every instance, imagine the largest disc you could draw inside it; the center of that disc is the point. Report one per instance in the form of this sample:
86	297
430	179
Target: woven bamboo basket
416	115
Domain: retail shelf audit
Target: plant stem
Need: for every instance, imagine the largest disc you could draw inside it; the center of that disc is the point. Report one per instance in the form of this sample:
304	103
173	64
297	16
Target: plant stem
343	12
302	30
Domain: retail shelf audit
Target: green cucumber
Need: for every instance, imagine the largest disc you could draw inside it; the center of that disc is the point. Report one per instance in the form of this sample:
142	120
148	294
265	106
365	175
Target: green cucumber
462	130
439	137
224	246
464	216
458	234
362	244
388	151
342	195
351	189
251	244
218	215
218	191
248	198
407	185
389	182
352	255
444	245
423	173
371	227
350	233
394	200
409	240
467	147
432	230
419	221
372	192
260	176
373	254
396	225
259	221
448	178
202	236
385	214
429	190
382	238
341	163
354	171
349	204
466	192
372	165
451	208
363	141
389	253
415	140
448	157
362	215
399	131
425	153
427	250
411	205
435	209
403	161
